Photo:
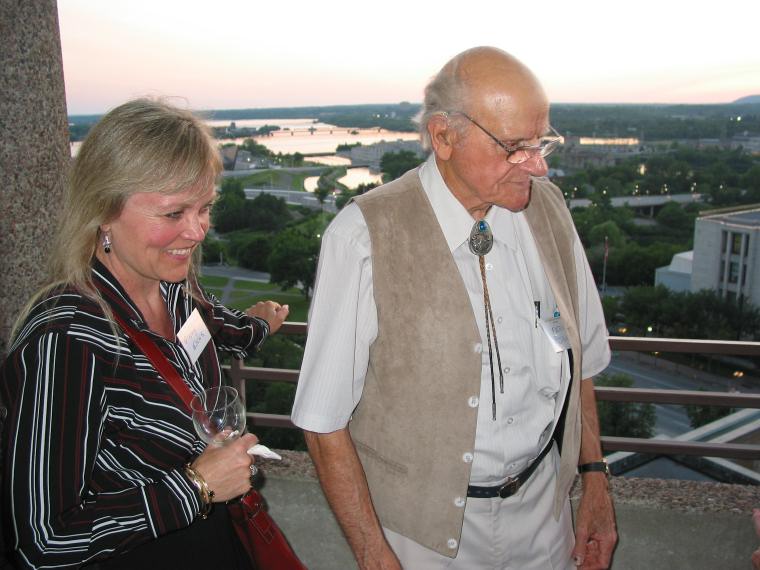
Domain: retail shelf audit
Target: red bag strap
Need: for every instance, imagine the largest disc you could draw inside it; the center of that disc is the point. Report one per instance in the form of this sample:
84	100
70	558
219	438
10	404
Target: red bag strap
159	361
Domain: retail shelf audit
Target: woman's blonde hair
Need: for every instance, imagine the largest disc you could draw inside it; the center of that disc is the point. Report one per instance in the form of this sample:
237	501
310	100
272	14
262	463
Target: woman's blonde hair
143	145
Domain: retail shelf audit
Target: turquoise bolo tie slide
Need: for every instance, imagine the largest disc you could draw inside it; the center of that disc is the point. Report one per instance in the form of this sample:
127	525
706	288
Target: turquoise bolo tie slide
481	238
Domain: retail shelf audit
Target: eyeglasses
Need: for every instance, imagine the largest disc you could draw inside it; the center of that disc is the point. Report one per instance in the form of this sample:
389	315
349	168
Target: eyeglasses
519	153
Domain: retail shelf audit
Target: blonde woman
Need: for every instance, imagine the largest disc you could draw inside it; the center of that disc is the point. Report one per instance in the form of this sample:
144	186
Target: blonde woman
102	464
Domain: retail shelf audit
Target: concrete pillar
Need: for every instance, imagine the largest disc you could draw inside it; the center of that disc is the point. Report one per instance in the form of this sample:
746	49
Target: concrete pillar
34	148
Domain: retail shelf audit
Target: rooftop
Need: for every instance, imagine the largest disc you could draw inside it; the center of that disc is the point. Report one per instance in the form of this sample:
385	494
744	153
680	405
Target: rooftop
748	218
661	523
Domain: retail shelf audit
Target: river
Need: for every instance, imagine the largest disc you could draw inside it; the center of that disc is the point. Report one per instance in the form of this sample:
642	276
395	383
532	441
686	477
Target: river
309	137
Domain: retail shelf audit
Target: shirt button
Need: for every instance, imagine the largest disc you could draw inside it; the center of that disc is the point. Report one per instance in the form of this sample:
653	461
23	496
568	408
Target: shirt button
489	266
500	319
507	369
467	457
510	420
478	348
459	502
452	543
473	402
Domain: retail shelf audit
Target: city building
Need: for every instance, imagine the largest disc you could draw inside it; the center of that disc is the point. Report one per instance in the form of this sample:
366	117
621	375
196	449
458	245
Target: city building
371	155
677	275
726	257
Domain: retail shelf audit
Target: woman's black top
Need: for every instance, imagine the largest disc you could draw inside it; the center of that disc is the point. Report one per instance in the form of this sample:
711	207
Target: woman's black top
95	440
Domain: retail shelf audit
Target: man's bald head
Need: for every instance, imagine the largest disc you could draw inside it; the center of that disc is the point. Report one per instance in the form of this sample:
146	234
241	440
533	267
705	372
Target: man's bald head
483	80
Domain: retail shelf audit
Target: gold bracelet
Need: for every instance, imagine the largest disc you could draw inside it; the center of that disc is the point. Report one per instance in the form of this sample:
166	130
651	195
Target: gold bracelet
206	495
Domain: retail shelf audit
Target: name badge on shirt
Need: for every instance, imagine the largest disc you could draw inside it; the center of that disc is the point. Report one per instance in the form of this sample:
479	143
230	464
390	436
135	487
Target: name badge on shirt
194	335
555	332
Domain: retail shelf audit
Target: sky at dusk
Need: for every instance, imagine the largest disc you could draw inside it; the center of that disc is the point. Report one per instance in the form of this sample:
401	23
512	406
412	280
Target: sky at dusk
232	54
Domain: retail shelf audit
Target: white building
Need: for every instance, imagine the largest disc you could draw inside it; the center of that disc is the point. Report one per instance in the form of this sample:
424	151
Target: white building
677	275
727	255
372	154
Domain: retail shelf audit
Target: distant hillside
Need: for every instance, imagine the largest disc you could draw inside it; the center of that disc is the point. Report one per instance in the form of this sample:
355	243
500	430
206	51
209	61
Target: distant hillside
648	122
748	99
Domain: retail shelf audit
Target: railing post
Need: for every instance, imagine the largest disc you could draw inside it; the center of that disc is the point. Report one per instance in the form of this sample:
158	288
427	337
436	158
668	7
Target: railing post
236	378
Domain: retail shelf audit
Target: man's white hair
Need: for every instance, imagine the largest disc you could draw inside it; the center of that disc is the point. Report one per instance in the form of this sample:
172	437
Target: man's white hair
445	94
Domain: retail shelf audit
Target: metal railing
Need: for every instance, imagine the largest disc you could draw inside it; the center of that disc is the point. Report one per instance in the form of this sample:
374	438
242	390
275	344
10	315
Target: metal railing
239	374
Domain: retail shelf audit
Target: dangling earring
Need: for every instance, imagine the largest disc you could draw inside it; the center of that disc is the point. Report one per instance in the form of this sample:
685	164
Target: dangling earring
106	243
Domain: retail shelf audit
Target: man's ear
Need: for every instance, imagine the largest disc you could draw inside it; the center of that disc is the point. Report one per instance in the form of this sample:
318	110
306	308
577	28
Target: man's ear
442	136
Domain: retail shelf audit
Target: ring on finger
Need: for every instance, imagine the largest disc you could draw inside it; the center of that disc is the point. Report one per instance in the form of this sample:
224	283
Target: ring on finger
254	472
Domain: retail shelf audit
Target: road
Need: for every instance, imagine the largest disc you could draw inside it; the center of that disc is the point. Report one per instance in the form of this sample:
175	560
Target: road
648	372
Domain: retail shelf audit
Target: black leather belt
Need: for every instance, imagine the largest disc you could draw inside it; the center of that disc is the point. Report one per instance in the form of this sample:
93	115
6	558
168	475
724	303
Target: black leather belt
512	484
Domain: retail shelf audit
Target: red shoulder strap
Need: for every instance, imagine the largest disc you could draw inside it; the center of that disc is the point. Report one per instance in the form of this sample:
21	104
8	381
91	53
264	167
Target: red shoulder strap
159	361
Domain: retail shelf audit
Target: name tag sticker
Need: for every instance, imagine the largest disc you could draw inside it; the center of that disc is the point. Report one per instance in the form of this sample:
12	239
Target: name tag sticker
555	332
194	335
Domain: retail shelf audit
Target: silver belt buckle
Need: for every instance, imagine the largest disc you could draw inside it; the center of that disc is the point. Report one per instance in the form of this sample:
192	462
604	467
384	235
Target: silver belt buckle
509	488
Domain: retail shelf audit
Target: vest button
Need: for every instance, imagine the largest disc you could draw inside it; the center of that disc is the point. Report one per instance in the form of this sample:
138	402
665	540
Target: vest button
452	543
467	457
459	502
473	401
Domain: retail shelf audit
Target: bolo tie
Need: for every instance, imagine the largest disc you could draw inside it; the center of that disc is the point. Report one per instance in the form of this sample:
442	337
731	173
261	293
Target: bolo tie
481	242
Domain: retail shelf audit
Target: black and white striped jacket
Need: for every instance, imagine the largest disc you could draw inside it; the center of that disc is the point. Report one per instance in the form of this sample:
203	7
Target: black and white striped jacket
95	440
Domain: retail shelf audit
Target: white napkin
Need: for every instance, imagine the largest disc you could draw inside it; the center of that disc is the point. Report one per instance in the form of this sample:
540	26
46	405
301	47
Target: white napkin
263	451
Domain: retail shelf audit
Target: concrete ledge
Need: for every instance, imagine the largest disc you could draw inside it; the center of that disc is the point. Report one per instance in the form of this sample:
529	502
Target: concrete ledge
661	523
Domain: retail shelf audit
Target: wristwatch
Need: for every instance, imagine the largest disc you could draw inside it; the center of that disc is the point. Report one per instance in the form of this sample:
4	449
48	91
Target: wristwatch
600	466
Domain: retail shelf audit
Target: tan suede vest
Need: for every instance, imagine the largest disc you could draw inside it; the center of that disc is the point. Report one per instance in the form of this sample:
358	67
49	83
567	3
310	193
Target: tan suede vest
413	424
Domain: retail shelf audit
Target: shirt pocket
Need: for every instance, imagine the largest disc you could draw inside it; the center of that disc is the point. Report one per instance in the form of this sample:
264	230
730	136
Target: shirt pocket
550	366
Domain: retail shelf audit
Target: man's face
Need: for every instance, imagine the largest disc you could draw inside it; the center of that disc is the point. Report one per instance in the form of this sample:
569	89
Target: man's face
477	170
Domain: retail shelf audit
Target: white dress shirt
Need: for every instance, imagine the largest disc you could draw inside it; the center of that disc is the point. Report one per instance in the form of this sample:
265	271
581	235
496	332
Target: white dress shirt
343	325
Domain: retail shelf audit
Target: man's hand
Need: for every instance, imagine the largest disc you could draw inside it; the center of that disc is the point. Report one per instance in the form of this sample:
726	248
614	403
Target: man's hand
595	532
345	486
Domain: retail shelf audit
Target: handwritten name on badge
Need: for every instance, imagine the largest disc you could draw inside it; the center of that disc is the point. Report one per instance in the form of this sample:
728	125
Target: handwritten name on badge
194	335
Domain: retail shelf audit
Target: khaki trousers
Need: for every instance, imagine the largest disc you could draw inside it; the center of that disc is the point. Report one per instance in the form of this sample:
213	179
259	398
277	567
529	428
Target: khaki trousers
516	533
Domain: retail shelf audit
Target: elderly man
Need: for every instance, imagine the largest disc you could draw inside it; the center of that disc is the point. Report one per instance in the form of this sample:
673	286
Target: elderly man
446	391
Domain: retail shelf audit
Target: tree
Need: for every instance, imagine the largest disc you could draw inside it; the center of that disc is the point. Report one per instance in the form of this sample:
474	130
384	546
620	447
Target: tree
394	164
276	397
293	261
701	415
624	419
213	251
233	211
251	249
673	216
608	229
267	213
255	148
229	211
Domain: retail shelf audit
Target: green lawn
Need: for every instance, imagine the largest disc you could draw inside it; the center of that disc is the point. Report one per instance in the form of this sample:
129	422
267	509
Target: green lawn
214	291
262	286
276	179
299	307
247	293
213	281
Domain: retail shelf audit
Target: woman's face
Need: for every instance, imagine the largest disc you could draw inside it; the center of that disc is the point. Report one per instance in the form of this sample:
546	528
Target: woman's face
154	236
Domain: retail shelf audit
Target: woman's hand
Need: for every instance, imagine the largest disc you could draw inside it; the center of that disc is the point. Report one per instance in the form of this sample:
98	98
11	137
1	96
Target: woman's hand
271	311
227	468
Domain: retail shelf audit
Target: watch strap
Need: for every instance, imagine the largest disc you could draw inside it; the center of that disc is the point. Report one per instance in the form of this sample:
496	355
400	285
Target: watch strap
595	466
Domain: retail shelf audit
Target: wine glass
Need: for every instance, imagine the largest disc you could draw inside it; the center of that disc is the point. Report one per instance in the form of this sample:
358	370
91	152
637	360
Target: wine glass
218	415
